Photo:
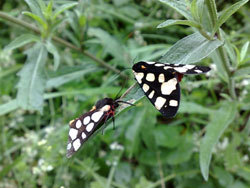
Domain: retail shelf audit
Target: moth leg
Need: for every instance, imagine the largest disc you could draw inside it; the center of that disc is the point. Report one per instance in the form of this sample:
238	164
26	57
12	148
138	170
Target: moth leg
105	121
113	119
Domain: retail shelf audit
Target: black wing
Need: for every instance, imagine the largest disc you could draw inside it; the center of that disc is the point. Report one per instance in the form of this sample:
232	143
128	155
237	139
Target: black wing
82	128
162	89
186	69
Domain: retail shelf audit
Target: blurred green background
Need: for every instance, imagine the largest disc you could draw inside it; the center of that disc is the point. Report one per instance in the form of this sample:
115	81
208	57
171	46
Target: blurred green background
57	58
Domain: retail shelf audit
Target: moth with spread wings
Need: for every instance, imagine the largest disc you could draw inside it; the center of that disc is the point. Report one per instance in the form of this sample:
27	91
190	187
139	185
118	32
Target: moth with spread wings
160	83
83	127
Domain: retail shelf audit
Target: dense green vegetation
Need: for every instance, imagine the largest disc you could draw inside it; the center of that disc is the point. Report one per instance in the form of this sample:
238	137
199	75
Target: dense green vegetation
57	58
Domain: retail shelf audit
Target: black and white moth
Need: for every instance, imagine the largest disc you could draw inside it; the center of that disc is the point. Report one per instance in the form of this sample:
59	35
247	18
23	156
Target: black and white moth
83	127
160	83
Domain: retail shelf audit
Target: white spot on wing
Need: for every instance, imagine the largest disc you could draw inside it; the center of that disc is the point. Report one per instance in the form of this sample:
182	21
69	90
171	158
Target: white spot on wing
150	77
76	144
69	146
159	65
86	120
198	71
189	66
78	124
105	108
161	78
96	116
83	135
168	87
180	69
160	101
151	95
73	133
145	87
150	62
139	76
89	127
173	103
167	67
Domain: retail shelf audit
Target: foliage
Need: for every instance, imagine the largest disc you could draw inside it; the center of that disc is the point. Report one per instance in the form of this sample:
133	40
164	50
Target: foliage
59	57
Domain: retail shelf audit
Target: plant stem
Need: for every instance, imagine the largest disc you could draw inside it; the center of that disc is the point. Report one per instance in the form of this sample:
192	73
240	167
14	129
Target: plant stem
60	41
212	11
171	176
221	51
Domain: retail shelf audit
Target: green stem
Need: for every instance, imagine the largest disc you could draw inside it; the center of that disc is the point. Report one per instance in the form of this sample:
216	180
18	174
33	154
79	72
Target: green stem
212	11
221	51
172	176
60	41
204	34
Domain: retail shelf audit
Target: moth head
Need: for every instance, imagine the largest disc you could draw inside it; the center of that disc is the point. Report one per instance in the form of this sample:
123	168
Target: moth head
140	66
106	101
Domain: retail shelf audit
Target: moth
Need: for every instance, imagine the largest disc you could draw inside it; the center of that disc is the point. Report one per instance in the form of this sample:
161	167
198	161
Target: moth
83	127
160	83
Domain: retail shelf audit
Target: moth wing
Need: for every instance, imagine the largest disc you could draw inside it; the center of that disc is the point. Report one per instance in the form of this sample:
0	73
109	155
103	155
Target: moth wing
82	128
163	91
189	69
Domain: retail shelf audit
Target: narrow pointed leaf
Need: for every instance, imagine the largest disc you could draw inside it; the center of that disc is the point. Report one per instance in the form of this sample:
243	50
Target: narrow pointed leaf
190	49
60	80
21	41
180	6
243	51
221	119
8	107
52	49
37	18
178	22
32	81
34	7
62	8
227	13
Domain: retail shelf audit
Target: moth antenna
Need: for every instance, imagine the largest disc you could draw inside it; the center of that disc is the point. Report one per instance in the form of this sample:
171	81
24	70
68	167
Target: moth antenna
116	97
134	60
113	119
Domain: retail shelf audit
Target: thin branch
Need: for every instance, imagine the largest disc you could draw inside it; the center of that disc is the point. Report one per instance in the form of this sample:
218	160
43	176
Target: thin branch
60	41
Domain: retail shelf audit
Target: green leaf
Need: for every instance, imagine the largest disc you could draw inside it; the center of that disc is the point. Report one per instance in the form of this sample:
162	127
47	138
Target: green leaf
60	80
32	82
219	65
181	154
62	8
224	177
227	13
194	10
220	120
178	22
134	94
21	41
190	49
191	108
243	51
8	107
200	9
38	19
167	136
242	71
52	49
34	7
132	133
180	6
109	43
48	10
